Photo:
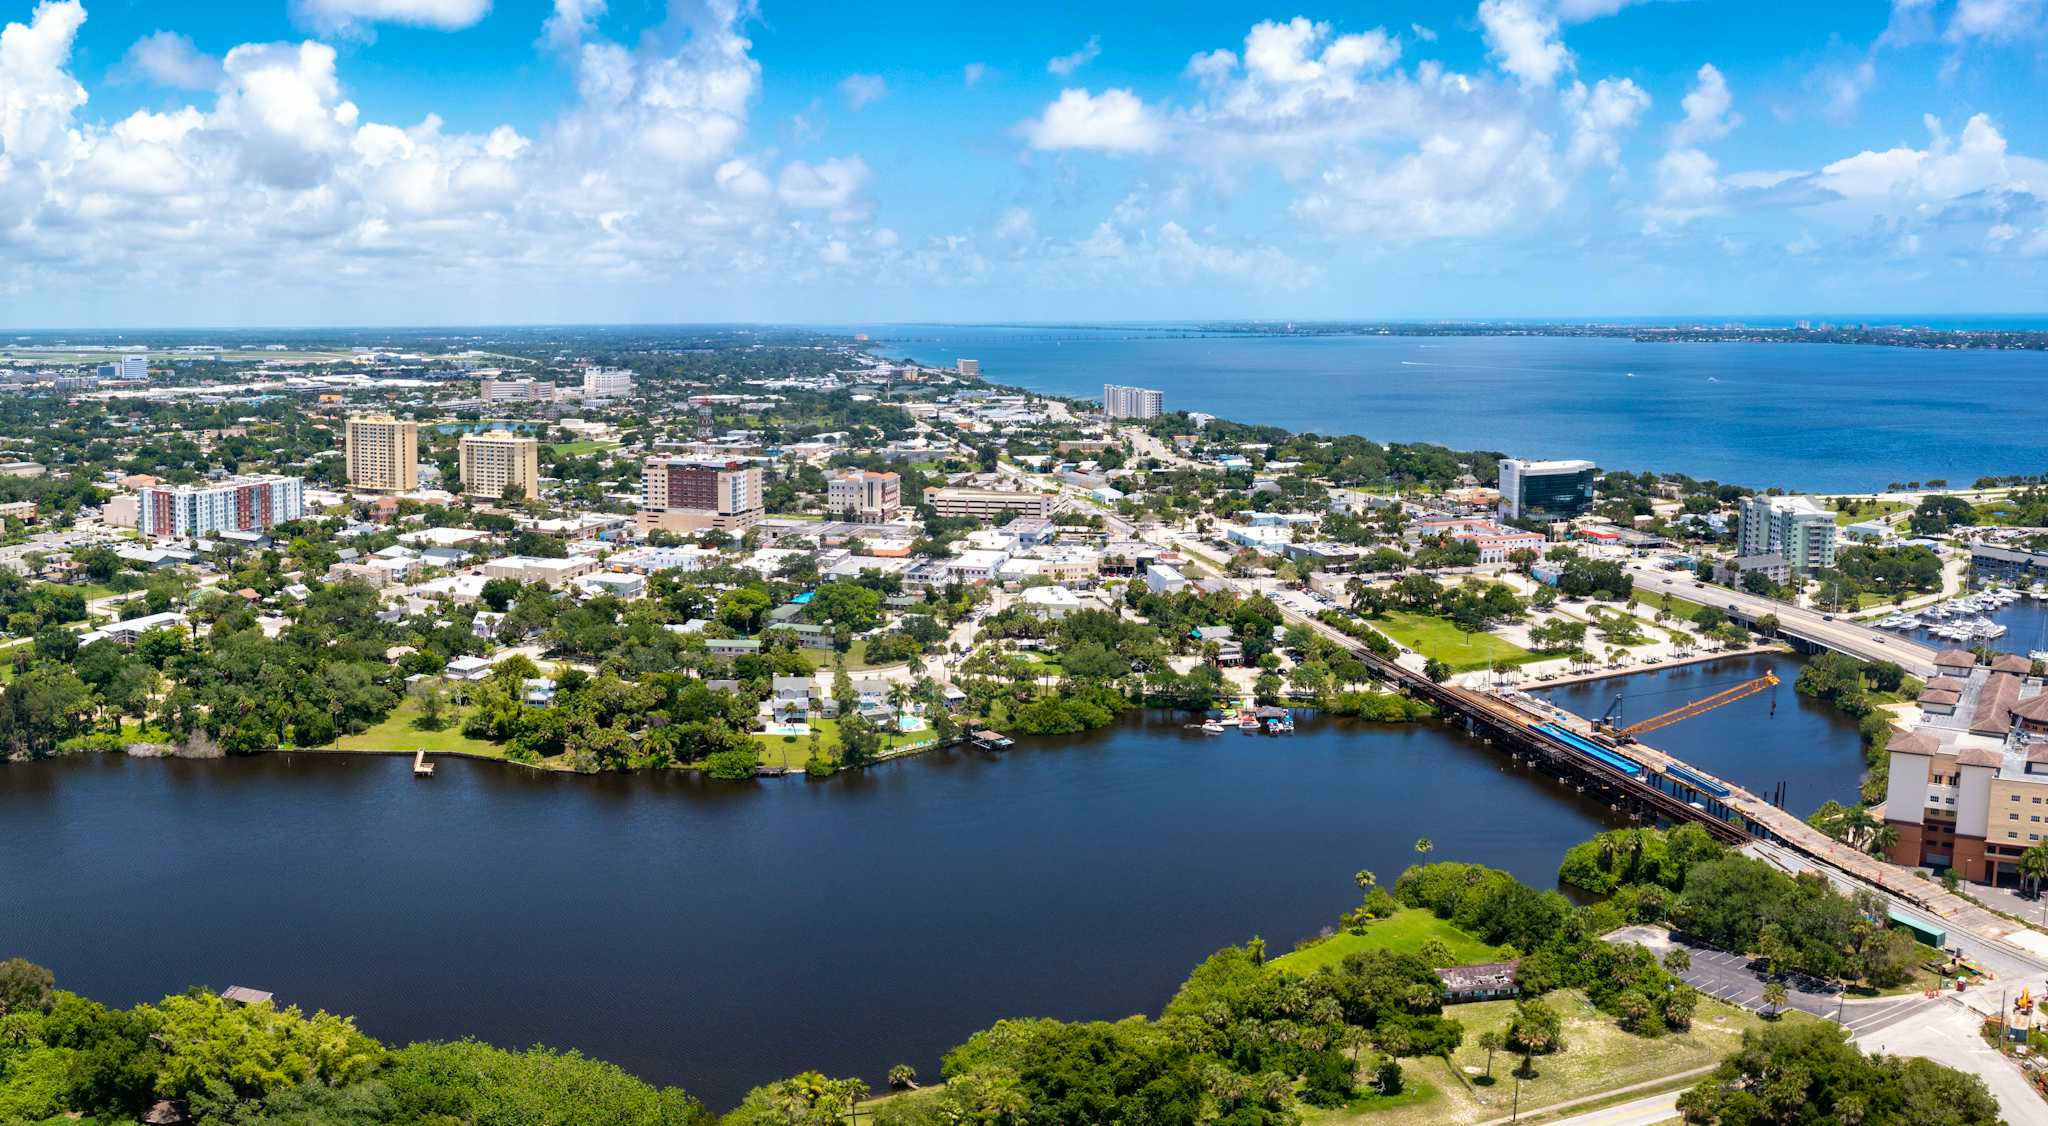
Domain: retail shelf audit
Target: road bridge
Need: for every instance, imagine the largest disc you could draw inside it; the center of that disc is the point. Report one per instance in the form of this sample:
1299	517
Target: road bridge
1666	788
1807	628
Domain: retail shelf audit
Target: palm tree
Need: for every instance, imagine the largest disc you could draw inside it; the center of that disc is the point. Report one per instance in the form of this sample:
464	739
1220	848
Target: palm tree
1424	845
1858	824
1491	1041
1677	960
1828	818
1775	996
2033	866
1884	837
1365	879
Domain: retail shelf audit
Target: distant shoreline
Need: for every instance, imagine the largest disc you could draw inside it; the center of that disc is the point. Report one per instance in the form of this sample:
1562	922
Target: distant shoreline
1869	335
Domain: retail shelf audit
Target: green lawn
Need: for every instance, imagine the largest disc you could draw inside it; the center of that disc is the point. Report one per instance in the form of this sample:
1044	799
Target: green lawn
1678	607
581	448
856	657
1598	1056
1437	637
397	733
89	590
1869	510
136	731
1627	624
1403	933
791	751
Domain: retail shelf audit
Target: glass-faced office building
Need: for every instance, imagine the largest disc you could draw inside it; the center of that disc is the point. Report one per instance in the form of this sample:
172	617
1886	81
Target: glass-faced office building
1545	490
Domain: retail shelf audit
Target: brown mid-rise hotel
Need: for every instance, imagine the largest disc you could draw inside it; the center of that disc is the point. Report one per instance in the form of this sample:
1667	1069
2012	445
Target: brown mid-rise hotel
1968	787
685	495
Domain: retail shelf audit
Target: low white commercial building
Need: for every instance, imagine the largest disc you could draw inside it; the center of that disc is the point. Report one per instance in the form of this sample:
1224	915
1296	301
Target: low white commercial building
532	569
975	566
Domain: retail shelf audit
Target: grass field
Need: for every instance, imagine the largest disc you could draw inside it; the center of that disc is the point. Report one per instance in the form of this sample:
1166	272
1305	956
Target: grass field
91	591
397	733
1636	630
1678	607
1869	510
1437	637
581	449
856	657
1403	933
791	751
1598	1056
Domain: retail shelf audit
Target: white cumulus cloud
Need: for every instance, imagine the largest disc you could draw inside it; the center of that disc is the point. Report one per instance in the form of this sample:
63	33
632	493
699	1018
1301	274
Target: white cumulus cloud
1707	106
1599	115
292	190
170	59
1522	37
1114	121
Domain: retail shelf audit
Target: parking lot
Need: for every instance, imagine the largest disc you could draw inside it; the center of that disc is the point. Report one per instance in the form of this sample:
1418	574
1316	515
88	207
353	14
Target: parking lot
1732	978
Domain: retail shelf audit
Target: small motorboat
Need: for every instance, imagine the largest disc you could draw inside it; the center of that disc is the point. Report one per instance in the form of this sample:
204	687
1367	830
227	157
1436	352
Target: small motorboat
1211	727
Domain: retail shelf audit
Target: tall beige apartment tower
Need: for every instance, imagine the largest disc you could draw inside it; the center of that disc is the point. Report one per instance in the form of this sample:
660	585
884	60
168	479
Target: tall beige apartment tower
383	453
497	459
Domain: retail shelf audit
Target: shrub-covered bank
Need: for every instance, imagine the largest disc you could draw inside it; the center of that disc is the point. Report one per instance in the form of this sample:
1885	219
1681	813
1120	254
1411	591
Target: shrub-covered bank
1241	1042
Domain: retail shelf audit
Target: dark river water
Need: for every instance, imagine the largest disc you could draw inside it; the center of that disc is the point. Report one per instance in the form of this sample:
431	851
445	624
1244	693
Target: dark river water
1757	742
717	935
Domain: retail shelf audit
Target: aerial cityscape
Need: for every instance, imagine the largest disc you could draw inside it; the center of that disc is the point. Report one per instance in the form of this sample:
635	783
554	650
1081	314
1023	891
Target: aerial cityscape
808	565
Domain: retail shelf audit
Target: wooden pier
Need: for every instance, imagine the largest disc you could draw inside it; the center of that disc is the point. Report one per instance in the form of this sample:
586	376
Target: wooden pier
421	768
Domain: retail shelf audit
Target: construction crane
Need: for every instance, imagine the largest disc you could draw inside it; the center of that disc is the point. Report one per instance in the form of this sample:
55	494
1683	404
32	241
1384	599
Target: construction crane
1704	704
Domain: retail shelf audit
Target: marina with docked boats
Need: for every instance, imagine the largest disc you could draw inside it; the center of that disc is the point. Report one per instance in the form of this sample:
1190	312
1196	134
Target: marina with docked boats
1983	617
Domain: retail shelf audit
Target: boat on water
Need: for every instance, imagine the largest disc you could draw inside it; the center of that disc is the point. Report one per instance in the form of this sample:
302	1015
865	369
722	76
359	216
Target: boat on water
1210	727
1279	726
1248	722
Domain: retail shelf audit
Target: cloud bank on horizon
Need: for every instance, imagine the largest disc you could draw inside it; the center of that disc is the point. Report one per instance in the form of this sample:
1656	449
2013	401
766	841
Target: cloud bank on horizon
728	161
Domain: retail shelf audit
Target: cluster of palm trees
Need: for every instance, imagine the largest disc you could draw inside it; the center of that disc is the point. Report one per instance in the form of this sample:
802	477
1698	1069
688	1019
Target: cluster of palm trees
1854	826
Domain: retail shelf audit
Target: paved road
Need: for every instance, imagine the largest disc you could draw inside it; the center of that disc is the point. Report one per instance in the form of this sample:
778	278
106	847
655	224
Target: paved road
1948	1035
1646	1111
1841	633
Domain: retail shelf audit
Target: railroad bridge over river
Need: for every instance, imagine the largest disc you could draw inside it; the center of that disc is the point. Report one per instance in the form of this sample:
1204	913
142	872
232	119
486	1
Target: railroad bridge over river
1649	784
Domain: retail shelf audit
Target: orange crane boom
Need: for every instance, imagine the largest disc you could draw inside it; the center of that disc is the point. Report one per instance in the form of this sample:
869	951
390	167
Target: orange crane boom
1705	704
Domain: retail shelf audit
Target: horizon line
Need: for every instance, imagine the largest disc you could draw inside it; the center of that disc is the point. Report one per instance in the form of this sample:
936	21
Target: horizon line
1875	319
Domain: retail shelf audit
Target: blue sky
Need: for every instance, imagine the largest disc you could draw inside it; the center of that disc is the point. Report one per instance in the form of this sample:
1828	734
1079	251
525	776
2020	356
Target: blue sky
250	162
